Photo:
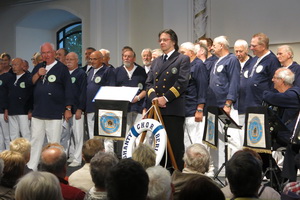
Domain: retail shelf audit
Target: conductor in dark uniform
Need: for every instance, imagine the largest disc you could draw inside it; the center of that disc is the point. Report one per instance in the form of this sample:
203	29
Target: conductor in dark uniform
167	82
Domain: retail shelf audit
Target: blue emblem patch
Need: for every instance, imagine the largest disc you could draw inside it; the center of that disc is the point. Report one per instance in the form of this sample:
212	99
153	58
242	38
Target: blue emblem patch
255	130
211	128
109	122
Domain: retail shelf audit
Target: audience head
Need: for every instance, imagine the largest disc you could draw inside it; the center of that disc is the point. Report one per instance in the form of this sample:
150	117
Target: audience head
25	65
197	158
37	186
259	44
156	53
145	155
87	54
168	40
241	50
1	168
127	180
90	148
160	186
146	56
23	146
14	164
53	160
244	174
201	187
100	165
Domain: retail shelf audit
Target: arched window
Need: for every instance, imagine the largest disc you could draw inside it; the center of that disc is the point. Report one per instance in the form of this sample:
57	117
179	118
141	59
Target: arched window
69	37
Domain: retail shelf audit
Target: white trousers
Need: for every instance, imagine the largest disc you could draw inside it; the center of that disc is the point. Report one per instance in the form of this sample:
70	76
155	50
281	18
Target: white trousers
19	124
76	142
108	143
4	134
193	131
39	129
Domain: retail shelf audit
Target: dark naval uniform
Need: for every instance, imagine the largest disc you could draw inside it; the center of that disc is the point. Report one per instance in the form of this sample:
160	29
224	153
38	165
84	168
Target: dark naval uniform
170	79
260	78
289	102
295	67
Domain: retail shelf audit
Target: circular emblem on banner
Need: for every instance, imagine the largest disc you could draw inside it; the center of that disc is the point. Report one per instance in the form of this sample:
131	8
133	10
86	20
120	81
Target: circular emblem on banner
51	78
0	82
174	70
97	79
73	79
109	122
220	68
255	130
246	74
211	129
140	85
22	85
259	68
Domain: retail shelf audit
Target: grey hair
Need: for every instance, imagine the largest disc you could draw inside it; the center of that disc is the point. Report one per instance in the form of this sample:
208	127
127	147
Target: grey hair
158	51
287	49
197	158
159	187
199	46
146	50
100	165
189	46
107	52
286	75
242	43
222	40
38	185
51	44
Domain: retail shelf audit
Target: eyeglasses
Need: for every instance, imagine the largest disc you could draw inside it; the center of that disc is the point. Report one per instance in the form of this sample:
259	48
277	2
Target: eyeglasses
164	40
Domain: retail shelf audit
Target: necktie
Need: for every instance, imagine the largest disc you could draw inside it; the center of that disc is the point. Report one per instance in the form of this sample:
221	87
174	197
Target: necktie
165	57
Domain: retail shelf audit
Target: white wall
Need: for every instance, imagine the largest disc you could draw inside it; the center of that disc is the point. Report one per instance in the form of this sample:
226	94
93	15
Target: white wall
26	46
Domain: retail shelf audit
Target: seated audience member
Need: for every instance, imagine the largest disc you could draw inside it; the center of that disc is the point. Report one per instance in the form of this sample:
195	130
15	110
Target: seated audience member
127	180
264	192
54	160
201	187
14	164
38	186
196	162
100	165
145	155
160	186
23	146
244	174
82	178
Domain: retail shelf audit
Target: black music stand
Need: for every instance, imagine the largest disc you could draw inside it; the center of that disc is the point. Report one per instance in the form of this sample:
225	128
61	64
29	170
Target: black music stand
228	123
272	124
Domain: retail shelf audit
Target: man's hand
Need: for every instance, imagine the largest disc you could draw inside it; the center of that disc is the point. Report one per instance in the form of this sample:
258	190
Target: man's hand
227	109
6	115
162	102
68	115
198	116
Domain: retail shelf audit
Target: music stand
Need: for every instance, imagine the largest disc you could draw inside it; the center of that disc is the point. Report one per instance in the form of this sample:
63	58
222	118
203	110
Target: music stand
228	122
263	142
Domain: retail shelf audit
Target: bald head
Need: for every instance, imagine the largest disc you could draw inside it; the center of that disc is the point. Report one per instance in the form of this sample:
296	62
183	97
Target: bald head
54	160
17	66
96	59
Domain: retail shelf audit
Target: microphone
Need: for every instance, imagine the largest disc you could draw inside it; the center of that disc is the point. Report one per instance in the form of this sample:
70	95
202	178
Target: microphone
43	77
